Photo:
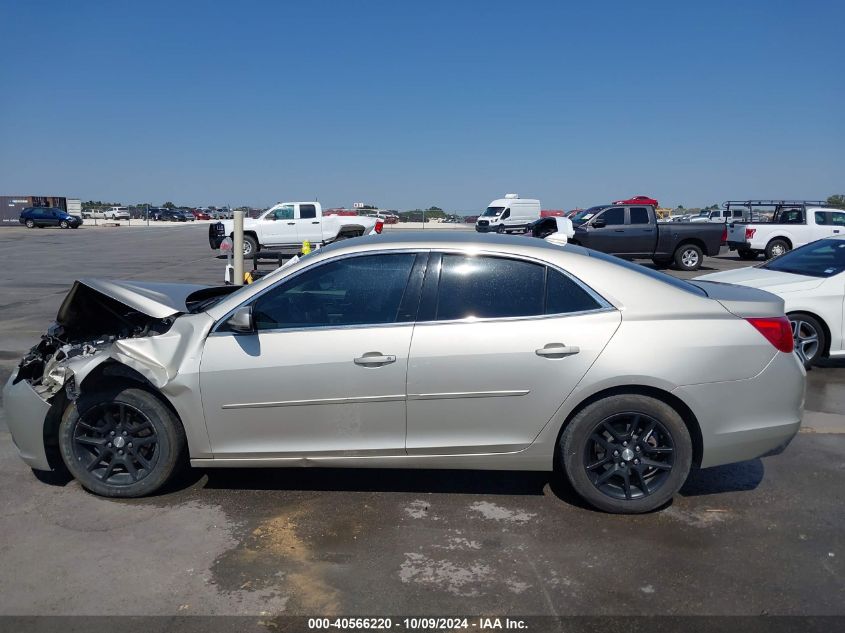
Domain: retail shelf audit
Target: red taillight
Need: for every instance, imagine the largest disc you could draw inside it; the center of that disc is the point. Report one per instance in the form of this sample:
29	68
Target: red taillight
749	233
777	331
379	226
724	235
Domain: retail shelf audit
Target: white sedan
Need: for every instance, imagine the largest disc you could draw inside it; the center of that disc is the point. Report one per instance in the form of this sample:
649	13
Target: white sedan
811	281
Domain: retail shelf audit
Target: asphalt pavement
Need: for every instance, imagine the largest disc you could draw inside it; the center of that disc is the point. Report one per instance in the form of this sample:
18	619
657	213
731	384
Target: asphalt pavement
760	537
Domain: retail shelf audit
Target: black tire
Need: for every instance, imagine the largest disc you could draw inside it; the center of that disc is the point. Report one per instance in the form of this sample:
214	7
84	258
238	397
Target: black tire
747	255
500	229
63	224
809	336
250	245
152	442
776	248
606	481
29	224
688	257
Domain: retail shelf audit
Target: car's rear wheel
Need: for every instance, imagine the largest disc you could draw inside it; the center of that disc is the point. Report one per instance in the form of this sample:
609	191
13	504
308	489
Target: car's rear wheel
776	248
808	336
29	224
747	255
121	442
688	257
626	453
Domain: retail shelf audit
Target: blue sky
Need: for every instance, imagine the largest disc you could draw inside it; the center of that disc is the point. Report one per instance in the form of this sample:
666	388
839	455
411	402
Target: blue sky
409	104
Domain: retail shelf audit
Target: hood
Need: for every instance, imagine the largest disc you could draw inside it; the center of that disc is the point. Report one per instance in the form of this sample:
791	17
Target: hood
153	299
765	279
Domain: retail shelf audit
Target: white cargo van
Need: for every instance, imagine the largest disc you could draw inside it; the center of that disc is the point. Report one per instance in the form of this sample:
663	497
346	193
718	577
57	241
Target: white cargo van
507	214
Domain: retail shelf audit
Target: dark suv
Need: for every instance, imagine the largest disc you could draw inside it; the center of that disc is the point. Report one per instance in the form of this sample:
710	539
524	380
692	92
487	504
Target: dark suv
32	217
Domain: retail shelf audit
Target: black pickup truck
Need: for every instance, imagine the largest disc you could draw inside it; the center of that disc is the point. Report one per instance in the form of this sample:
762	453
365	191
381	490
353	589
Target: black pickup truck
633	232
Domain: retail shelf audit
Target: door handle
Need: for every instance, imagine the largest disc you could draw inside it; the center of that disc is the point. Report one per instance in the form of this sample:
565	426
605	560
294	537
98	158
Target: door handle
618	230
315	222
291	223
557	350
375	359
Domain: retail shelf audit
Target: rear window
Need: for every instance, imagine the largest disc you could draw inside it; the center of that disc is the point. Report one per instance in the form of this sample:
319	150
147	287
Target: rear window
680	284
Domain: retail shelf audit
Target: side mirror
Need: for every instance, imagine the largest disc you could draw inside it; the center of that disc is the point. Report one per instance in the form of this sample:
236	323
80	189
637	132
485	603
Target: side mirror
599	223
241	320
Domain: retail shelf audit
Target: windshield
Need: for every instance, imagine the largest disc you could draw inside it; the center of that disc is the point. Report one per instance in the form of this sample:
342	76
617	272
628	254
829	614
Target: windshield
493	211
824	258
585	215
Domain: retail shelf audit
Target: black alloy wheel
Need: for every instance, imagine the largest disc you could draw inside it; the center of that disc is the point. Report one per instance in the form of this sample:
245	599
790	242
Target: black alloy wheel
122	441
629	456
116	442
626	453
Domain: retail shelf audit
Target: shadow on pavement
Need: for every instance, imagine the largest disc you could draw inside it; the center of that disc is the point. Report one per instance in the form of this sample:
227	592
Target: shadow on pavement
729	478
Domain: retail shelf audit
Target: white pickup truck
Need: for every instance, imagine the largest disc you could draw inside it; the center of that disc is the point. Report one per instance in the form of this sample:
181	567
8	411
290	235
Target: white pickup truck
285	226
790	228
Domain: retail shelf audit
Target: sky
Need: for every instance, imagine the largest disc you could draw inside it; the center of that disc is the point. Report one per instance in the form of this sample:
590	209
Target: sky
412	104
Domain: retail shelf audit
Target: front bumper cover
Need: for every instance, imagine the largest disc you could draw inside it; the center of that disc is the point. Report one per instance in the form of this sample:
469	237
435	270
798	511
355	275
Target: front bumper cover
26	413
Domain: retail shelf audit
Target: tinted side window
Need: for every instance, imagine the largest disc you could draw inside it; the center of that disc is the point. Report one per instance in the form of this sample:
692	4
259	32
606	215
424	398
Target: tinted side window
489	287
307	211
354	291
838	218
614	216
821	217
285	213
564	295
639	215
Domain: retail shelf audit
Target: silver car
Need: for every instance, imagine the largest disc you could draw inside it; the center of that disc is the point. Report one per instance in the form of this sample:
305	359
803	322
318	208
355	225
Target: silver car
415	351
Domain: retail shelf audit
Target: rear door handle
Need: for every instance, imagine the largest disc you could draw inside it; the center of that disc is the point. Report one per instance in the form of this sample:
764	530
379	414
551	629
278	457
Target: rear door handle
316	222
375	359
291	223
557	350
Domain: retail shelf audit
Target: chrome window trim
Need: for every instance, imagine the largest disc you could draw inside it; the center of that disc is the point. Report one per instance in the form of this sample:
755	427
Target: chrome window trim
604	304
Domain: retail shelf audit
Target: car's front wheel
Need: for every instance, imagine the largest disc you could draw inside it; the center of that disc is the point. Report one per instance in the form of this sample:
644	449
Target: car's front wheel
121	442
808	336
251	245
63	224
626	453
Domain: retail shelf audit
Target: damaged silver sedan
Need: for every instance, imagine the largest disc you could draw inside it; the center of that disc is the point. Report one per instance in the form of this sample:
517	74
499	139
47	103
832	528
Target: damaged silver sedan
451	351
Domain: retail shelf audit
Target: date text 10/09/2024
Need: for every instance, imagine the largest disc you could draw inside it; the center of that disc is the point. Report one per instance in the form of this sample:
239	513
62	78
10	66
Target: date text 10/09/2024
424	623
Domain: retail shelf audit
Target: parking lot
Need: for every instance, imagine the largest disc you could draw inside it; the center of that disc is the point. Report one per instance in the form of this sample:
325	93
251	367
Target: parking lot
760	537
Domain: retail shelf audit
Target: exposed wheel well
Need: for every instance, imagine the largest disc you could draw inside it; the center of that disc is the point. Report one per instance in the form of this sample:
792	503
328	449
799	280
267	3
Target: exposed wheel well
826	350
658	394
782	239
691	241
109	374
